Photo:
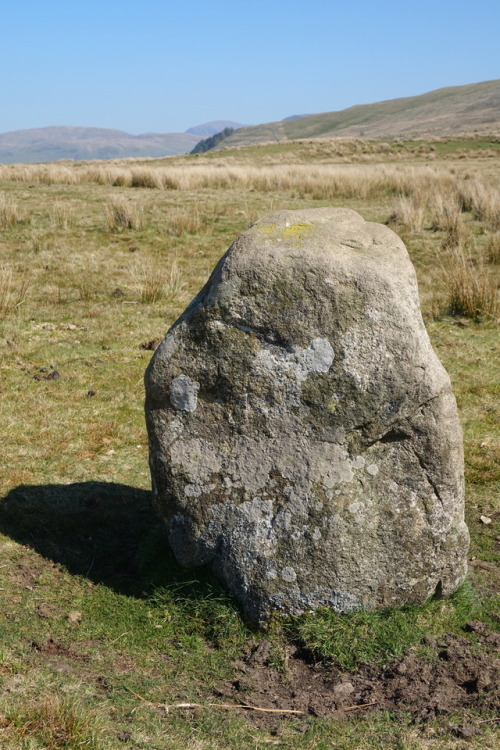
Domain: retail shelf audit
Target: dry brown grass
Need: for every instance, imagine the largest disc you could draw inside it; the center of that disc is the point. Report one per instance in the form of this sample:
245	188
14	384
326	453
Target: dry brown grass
409	212
13	290
104	175
482	200
325	180
472	292
146	177
420	188
53	723
185	220
10	212
448	217
41	242
61	216
45	174
123	214
493	249
155	282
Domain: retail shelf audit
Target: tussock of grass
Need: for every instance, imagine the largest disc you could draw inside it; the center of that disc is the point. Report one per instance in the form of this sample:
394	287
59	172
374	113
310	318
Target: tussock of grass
155	282
482	200
471	291
146	177
86	290
493	249
53	723
378	637
409	212
123	214
61	216
10	213
13	290
448	218
194	606
185	221
41	242
200	609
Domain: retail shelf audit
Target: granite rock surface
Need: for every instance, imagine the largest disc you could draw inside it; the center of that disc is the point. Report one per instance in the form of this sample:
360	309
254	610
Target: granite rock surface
304	439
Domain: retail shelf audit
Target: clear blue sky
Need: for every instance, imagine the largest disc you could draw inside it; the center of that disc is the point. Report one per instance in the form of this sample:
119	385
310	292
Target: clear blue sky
164	66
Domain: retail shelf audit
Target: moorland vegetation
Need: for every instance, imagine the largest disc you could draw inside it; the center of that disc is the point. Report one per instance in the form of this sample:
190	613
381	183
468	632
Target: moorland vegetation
100	630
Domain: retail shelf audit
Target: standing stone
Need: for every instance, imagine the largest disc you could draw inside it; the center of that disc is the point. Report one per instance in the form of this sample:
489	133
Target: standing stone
304	439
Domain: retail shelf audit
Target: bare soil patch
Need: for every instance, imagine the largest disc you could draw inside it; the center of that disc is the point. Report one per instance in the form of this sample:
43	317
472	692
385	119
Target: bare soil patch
55	647
454	673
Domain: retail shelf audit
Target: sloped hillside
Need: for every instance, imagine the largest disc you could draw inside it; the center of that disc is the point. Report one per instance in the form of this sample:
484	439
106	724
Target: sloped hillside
472	109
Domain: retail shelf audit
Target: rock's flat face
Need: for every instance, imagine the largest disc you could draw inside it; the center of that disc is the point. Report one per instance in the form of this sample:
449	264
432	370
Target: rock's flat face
304	440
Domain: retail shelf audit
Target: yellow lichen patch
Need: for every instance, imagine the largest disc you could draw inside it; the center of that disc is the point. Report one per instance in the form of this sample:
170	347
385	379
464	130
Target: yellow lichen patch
297	231
265	229
332	405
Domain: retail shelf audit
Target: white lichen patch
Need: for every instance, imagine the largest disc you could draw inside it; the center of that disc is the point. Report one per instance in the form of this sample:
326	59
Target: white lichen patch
195	458
355	507
167	347
318	357
289	575
196	490
287	370
366	354
184	393
372	470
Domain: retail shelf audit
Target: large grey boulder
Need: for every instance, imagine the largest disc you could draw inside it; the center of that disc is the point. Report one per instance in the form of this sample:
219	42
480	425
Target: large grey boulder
304	439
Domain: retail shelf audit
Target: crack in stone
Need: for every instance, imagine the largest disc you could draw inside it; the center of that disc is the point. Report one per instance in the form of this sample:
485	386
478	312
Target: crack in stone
427	475
394	426
261	333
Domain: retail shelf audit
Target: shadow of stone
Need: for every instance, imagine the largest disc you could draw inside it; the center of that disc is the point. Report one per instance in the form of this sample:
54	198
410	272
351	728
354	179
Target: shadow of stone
94	529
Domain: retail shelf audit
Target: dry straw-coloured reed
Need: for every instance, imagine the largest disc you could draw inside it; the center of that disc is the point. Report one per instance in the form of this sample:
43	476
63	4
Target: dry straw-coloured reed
13	289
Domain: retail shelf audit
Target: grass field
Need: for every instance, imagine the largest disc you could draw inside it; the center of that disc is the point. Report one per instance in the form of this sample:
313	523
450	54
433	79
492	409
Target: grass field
100	630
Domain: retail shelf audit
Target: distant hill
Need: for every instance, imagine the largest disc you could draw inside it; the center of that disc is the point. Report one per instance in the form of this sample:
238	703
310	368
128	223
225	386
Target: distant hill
214	127
458	110
207	144
471	109
53	143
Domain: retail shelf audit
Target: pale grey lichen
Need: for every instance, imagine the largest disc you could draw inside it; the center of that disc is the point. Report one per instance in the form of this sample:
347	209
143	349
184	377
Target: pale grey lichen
184	393
298	364
289	575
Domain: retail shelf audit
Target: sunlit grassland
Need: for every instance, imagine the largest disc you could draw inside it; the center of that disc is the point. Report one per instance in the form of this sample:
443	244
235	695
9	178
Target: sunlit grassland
84	295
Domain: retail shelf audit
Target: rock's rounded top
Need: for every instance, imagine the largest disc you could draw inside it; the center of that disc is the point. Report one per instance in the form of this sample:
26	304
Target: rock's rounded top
342	224
297	275
323	235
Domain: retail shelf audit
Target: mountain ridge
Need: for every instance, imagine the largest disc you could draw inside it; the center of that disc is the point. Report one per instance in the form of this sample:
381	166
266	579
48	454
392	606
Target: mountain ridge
57	142
472	108
452	110
213	127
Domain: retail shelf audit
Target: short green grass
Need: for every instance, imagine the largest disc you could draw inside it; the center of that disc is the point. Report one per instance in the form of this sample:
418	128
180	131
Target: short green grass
98	621
358	638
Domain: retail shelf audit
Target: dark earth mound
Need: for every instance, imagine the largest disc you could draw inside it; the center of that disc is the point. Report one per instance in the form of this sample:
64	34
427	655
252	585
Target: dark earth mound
427	683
